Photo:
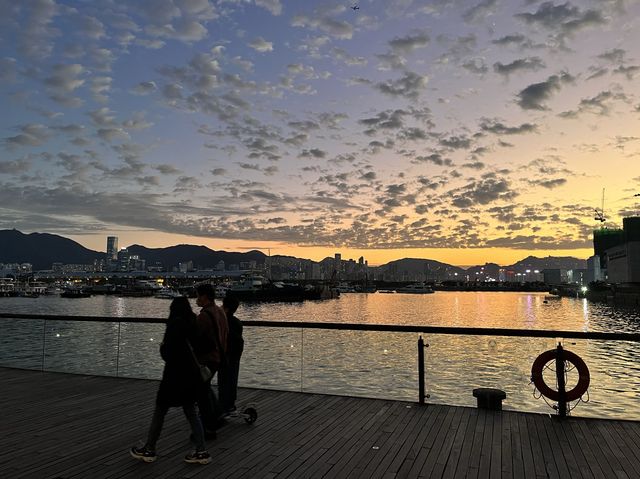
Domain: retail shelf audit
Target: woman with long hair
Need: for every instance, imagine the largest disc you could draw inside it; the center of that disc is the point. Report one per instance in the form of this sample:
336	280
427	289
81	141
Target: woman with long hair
179	386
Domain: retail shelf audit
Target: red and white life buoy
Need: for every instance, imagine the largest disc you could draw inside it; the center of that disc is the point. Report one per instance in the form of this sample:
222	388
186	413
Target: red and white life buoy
583	372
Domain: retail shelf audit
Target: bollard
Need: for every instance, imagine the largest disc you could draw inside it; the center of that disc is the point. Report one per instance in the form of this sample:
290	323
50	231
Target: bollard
489	398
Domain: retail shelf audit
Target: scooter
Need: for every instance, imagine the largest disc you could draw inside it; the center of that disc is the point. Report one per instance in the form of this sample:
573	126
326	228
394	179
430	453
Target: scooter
249	414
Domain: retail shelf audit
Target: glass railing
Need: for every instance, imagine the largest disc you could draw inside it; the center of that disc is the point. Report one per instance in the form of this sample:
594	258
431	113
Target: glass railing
378	361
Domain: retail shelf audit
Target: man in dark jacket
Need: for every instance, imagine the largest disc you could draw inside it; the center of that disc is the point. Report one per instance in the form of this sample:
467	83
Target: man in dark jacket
228	374
210	348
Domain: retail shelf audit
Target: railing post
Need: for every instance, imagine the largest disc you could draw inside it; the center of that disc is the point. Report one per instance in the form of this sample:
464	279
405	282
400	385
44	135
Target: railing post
44	341
118	352
562	401
421	371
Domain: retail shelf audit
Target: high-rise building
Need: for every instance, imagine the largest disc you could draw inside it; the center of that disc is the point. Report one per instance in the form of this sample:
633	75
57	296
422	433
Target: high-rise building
112	247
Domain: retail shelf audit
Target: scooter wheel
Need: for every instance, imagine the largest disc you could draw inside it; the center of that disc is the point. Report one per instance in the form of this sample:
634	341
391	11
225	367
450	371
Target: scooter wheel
251	415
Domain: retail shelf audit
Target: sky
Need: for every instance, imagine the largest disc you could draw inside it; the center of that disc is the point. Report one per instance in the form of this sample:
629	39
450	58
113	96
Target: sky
463	131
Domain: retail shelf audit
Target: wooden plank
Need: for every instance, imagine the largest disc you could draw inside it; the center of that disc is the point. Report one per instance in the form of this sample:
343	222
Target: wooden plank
539	465
450	452
564	461
83	426
460	468
440	447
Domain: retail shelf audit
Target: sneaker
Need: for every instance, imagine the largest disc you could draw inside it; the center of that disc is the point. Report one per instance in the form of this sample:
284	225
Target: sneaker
232	412
143	454
198	457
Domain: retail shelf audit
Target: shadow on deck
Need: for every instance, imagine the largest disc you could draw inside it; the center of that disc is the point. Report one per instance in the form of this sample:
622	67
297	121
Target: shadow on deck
67	426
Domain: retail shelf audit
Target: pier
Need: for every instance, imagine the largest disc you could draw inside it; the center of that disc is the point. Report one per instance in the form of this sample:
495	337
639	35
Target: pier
63	426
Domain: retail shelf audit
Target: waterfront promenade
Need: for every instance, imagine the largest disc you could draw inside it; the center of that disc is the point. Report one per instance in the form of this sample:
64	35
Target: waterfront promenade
59	426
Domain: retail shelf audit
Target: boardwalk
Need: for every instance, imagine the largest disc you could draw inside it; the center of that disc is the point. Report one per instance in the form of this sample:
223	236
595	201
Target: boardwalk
66	426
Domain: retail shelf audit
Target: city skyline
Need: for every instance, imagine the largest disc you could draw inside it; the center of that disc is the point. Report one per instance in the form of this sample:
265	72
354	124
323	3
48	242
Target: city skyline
464	132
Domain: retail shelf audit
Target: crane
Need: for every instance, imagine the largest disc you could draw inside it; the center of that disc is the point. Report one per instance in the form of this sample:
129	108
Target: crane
600	213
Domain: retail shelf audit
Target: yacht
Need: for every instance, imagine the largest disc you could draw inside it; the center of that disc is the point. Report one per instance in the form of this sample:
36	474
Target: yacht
415	288
167	293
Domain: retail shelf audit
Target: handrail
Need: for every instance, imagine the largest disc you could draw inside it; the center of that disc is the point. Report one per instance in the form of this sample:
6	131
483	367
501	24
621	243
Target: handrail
399	328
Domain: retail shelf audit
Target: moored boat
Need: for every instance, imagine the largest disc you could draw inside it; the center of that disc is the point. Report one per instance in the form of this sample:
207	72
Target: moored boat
415	288
75	293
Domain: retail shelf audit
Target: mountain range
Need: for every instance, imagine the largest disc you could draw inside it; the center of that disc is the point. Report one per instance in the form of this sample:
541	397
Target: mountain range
44	249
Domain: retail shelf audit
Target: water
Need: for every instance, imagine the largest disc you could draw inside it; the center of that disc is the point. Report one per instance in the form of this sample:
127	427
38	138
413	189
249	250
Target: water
373	364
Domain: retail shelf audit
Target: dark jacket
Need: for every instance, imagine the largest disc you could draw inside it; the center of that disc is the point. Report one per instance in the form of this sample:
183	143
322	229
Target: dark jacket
236	342
180	378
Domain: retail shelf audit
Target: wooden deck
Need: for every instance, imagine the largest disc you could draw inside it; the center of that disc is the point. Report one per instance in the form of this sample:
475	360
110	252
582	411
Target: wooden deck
67	426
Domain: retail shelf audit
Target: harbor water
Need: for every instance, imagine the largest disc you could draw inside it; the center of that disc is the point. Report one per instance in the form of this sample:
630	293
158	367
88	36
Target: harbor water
355	363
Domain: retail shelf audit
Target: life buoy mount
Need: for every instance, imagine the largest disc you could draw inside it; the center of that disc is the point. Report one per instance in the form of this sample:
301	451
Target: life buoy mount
583	372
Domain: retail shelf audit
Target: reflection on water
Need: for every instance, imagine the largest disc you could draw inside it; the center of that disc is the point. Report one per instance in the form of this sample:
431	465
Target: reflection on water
363	363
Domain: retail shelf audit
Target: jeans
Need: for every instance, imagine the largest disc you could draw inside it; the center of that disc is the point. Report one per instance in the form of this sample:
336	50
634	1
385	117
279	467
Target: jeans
157	421
210	410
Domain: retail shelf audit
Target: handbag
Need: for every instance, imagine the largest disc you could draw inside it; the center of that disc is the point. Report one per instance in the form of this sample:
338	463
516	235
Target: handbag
205	373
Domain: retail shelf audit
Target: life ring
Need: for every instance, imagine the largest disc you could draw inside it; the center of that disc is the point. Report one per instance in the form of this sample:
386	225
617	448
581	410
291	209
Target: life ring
583	372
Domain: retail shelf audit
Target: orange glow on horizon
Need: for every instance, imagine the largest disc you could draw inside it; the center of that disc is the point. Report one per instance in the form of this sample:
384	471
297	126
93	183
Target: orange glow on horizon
458	257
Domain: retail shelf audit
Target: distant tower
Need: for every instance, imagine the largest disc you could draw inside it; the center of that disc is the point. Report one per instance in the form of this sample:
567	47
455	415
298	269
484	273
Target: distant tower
112	247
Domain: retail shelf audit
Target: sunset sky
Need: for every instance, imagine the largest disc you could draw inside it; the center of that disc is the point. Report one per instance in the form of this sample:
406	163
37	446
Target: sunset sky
462	131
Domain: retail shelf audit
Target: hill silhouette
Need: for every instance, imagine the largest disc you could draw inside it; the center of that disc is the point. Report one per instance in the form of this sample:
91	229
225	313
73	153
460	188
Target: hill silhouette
44	249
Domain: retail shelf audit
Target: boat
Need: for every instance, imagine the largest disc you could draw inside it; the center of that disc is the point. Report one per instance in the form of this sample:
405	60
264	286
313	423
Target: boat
32	289
343	287
415	288
167	293
257	288
8	287
75	293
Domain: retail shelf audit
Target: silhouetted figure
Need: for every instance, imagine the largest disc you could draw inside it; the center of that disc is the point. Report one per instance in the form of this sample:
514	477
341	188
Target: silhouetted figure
228	375
180	384
210	348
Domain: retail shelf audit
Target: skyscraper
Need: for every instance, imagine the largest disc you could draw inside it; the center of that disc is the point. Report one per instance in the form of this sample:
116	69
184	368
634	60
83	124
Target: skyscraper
112	247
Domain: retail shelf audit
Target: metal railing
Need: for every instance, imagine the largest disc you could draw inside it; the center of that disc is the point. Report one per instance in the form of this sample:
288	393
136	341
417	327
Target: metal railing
430	331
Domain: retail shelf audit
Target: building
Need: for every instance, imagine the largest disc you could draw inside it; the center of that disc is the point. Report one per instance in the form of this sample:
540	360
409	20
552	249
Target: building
112	248
623	260
594	272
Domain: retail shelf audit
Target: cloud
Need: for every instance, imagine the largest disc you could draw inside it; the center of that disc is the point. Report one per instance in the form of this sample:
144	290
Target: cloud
31	134
90	27
13	167
100	87
628	71
482	192
563	19
35	35
534	96
62	82
406	45
261	45
185	30
347	58
324	21
273	6
144	88
598	105
550	183
167	169
480	10
521	64
409	86
313	153
497	127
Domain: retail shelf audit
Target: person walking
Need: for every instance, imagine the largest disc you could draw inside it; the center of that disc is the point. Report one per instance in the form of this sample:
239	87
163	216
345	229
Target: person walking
179	386
210	348
228	375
